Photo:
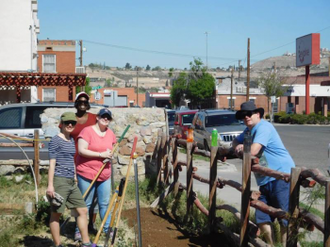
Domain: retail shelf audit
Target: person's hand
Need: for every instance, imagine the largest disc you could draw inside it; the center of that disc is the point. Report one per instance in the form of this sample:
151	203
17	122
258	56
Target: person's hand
106	154
50	191
239	149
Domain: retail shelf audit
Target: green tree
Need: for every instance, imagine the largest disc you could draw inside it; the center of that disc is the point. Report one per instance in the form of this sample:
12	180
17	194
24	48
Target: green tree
197	85
148	67
179	89
88	88
272	85
157	68
128	66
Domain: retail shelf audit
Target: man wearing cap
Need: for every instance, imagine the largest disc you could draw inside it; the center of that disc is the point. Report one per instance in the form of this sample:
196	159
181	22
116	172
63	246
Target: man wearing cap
268	147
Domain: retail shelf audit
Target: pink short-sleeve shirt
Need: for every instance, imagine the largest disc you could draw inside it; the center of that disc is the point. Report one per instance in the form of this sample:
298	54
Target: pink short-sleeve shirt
89	167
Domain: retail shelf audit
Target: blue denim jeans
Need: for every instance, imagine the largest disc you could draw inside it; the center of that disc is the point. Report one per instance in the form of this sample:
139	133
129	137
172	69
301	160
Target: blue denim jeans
103	193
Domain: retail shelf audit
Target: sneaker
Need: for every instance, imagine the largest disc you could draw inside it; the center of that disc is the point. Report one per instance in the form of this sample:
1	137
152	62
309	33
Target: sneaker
87	244
77	236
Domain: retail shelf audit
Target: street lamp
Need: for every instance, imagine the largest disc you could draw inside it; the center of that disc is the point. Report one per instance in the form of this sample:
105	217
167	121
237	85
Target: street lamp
206	41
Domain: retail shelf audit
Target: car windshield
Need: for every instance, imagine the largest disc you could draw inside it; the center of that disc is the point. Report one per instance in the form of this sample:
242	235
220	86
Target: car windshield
221	120
187	119
171	116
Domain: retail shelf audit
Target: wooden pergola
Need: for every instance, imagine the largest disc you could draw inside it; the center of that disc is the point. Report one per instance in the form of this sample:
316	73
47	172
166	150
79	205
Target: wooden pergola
22	79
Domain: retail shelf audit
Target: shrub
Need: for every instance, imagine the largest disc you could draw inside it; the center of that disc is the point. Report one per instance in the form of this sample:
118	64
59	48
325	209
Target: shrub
299	119
267	116
278	115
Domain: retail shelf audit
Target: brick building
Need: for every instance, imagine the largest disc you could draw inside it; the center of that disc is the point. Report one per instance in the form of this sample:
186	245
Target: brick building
56	56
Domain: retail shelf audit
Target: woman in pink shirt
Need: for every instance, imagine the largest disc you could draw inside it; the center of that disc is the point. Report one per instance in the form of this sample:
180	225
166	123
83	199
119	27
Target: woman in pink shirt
94	145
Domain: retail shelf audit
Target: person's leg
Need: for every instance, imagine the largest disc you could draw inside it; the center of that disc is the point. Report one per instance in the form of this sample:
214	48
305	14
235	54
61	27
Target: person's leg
83	185
82	224
280	195
103	197
92	215
54	225
266	231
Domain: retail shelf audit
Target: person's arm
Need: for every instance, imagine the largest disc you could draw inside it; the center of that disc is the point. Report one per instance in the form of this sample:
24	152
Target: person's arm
50	189
255	148
85	152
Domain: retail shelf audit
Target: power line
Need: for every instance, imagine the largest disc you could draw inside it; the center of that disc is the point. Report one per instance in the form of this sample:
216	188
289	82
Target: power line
153	51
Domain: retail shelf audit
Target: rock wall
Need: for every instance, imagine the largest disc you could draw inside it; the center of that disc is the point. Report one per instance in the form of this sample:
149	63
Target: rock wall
144	122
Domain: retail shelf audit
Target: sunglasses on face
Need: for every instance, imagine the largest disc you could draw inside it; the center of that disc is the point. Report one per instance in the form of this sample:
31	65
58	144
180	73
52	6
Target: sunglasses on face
106	116
247	114
73	123
80	102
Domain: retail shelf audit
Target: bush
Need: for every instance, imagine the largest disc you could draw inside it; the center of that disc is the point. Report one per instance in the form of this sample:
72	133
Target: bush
267	116
299	119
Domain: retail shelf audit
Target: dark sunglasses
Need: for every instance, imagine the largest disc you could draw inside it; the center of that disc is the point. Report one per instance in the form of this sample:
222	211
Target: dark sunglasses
73	123
247	114
107	116
80	102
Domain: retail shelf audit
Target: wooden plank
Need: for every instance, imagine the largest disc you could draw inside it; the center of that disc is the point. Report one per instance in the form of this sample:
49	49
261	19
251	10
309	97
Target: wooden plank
213	187
21	144
175	166
292	238
246	190
36	156
190	179
327	215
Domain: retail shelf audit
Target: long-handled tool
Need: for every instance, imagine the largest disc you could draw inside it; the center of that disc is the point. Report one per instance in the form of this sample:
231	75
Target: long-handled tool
115	197
124	192
98	174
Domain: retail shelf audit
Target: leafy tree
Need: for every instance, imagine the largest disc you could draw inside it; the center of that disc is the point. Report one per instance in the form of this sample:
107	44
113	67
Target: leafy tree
272	85
128	66
157	68
87	89
197	85
148	67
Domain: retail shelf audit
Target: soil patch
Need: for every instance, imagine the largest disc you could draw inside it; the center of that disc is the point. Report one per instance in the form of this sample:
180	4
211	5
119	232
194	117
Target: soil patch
161	230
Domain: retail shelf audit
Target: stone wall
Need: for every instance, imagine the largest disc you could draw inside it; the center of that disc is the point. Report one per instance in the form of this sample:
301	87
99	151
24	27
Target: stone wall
144	122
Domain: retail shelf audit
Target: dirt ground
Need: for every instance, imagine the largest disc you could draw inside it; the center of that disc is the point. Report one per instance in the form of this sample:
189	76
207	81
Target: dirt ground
160	230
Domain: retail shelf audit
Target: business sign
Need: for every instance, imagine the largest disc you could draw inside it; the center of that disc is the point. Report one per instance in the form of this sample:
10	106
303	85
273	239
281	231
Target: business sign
308	50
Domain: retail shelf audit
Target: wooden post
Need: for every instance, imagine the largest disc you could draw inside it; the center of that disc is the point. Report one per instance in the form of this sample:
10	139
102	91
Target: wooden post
213	187
246	190
327	215
165	159
190	147
175	166
36	156
292	238
159	154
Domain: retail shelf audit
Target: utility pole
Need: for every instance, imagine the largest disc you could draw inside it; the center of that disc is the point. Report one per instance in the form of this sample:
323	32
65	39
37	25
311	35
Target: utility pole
239	69
137	85
231	89
81	59
248	73
206	33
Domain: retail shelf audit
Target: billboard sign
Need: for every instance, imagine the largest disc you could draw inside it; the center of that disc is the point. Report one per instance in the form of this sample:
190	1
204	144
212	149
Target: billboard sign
308	50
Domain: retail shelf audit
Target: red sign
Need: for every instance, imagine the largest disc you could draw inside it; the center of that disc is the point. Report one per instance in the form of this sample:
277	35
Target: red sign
308	50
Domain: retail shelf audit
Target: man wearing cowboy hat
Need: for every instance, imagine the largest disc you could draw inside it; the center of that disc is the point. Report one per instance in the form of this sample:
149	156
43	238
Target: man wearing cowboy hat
268	147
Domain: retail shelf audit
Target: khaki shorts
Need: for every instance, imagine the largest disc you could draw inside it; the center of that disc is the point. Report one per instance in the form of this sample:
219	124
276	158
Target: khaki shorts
70	192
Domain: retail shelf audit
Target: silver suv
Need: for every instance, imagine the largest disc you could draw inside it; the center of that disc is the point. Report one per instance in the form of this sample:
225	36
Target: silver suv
224	121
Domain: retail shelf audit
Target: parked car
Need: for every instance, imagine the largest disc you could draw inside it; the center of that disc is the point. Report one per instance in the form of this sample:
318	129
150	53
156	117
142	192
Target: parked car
21	120
183	119
224	121
170	120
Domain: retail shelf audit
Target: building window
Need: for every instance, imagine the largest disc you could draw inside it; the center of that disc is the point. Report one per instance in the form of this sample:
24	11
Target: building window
232	104
49	63
48	94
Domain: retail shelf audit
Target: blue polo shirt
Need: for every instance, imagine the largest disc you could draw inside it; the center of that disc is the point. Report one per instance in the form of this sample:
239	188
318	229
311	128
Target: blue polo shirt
273	153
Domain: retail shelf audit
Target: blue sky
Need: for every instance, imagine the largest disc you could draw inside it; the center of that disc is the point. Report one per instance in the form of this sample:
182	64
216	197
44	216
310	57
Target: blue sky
113	30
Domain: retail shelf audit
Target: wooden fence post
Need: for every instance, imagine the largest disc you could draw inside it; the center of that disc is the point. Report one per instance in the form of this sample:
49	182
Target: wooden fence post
292	238
36	160
246	190
213	187
165	158
159	154
175	166
190	179
327	215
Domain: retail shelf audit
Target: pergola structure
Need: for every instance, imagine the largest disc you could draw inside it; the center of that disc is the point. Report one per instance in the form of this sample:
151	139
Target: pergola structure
22	79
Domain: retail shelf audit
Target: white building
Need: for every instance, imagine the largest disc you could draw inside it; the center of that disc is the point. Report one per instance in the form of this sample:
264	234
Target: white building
18	43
